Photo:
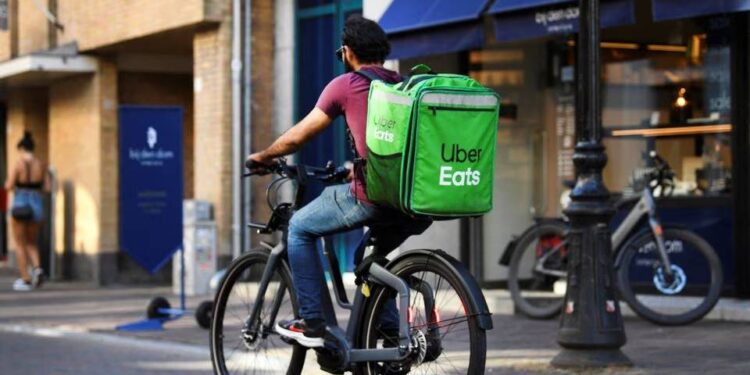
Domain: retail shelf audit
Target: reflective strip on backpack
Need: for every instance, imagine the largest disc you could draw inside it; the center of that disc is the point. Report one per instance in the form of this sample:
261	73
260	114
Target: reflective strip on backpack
460	100
391	98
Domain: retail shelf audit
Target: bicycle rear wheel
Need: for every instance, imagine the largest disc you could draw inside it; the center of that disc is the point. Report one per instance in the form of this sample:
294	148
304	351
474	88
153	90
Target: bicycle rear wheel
538	269
686	296
238	347
447	340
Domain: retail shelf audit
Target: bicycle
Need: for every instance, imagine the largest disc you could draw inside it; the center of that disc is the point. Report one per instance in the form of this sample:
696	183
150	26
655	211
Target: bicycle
651	264
443	316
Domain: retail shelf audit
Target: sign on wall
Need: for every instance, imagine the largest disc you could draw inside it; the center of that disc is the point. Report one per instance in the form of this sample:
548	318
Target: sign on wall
151	183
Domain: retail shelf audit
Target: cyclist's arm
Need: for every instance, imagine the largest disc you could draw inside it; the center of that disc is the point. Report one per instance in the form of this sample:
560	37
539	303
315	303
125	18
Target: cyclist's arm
293	139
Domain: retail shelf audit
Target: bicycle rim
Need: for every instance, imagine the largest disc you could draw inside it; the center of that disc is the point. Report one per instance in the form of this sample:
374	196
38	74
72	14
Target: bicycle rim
234	351
453	342
686	296
536	294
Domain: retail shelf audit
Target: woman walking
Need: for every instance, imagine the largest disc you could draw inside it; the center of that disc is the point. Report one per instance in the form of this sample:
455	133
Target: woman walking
27	179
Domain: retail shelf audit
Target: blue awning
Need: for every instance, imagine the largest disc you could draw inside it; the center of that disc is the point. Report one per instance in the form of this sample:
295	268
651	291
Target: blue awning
418	28
525	19
677	9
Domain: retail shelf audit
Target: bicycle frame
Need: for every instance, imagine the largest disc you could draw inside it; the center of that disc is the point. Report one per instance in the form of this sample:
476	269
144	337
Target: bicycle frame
377	274
645	206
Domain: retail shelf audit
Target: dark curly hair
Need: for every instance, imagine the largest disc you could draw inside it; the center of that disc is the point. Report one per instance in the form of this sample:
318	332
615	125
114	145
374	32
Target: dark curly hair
27	142
366	39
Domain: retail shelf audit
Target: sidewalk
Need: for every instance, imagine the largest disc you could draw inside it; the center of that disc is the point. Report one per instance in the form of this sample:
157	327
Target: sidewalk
515	346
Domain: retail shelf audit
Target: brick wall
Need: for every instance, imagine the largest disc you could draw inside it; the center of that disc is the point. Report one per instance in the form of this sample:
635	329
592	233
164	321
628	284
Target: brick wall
212	124
27	111
83	140
33	30
98	23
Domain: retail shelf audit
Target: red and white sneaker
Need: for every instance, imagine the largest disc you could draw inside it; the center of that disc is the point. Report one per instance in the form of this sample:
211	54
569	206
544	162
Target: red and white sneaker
310	334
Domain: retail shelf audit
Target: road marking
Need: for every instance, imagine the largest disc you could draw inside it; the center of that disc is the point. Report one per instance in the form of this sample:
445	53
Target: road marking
107	338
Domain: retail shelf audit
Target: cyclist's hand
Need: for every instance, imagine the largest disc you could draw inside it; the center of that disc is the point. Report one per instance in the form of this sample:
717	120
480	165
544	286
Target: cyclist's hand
257	164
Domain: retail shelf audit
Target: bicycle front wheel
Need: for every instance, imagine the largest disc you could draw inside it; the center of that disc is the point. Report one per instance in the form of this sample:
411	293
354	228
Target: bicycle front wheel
239	346
687	295
445	334
538	271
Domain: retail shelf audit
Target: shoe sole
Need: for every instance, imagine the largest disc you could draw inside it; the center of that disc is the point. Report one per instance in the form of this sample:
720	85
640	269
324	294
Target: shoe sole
300	338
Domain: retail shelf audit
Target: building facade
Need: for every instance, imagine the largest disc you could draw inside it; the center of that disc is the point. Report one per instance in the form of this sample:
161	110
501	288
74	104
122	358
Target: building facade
674	81
68	66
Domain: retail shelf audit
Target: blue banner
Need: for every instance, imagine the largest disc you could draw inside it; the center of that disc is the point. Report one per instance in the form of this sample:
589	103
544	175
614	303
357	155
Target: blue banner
677	9
561	17
446	39
408	15
151	183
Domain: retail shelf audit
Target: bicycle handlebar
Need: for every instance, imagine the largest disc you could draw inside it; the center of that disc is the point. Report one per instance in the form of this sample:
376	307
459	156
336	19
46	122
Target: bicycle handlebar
300	172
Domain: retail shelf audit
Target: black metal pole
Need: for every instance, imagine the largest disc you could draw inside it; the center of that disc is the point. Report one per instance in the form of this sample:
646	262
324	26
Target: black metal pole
591	329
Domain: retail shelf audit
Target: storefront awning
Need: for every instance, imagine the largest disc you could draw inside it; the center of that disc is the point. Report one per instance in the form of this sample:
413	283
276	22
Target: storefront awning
677	9
418	28
525	19
41	69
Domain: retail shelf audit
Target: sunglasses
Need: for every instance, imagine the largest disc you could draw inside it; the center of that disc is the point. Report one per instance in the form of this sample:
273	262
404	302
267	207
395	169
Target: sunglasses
340	53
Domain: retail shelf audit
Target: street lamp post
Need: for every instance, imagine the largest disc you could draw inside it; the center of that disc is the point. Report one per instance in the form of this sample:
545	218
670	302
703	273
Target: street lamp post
591	331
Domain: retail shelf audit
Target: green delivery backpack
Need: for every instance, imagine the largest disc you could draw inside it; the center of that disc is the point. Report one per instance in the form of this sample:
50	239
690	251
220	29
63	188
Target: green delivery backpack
431	144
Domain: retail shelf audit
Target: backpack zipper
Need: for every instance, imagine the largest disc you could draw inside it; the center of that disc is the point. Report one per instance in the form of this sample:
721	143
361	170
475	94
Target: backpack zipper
435	108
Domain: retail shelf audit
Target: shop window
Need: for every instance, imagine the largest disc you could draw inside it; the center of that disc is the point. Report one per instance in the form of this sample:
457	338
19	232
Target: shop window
667	88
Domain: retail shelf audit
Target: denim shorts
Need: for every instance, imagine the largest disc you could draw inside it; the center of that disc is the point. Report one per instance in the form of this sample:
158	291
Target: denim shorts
31	198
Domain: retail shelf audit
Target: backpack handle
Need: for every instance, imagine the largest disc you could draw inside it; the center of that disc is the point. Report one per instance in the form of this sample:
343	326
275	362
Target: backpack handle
419	73
421	69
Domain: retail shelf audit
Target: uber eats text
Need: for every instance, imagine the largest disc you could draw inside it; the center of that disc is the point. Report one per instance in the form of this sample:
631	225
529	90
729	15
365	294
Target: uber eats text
456	154
383	132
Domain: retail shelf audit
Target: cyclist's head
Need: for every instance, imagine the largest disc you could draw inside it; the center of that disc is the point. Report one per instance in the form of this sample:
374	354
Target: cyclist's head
366	40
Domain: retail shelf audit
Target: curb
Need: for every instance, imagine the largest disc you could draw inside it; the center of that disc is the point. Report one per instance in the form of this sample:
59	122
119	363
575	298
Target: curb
726	310
105	338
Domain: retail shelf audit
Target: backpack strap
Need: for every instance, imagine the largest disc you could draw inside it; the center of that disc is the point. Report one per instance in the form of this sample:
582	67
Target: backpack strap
359	161
368	75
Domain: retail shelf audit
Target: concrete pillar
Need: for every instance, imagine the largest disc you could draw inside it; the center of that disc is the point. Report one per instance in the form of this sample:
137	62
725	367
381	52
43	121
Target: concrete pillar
83	149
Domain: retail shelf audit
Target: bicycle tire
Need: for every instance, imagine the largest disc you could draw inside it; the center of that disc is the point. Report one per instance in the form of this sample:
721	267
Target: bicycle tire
527	243
694	242
410	266
238	267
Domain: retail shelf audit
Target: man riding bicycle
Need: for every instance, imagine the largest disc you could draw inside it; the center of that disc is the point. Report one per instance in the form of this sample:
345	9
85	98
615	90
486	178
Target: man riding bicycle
339	208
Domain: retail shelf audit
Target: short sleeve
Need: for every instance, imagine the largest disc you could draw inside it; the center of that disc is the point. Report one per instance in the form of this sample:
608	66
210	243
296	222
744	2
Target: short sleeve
332	100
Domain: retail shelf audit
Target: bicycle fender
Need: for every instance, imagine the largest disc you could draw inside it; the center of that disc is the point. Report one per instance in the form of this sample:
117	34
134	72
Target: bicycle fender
477	302
508	252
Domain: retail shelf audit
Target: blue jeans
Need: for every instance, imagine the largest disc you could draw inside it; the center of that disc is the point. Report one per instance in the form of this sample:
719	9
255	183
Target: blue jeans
336	210
31	198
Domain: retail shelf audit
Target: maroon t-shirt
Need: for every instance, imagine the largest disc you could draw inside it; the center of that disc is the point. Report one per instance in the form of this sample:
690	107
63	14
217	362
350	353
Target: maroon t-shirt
347	95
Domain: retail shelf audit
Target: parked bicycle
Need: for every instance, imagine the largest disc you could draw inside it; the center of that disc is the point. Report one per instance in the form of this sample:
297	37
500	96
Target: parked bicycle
443	315
652	265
